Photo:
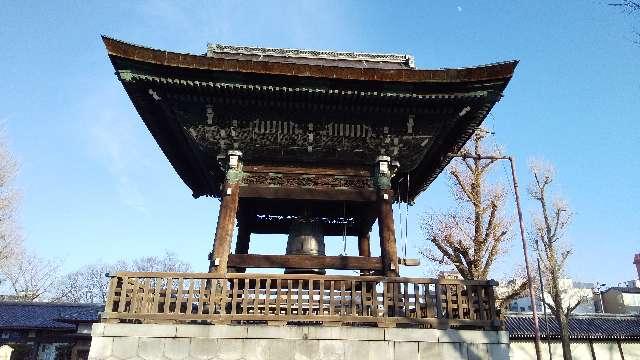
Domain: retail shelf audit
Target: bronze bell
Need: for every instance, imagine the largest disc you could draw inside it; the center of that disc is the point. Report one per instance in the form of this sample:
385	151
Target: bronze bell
305	238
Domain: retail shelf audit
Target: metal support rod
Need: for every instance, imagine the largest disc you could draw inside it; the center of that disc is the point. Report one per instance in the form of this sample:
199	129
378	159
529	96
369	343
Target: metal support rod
544	304
532	293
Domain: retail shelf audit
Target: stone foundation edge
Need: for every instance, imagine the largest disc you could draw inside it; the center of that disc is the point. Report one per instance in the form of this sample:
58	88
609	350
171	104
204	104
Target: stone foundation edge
191	342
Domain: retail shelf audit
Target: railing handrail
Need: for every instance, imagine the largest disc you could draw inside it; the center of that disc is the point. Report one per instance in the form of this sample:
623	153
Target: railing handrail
263	276
222	298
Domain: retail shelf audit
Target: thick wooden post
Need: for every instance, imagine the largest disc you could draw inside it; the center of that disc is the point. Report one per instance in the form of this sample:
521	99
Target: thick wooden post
227	215
386	229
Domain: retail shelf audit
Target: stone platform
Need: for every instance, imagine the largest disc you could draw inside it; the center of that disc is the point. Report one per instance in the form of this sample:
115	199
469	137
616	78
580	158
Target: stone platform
159	341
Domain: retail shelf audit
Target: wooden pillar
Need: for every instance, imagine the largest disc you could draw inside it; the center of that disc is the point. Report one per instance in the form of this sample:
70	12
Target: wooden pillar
364	249
386	229
226	215
388	250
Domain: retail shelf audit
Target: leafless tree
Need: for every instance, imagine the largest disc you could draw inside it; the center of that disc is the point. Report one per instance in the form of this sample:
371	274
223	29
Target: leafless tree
10	236
90	283
168	262
87	285
548	229
472	237
30	277
631	8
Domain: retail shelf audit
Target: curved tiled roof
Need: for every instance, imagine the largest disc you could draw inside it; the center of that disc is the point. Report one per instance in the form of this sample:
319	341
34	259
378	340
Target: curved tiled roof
41	315
597	327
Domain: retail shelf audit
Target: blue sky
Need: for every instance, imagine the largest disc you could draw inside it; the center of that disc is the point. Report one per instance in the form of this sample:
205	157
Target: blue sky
96	186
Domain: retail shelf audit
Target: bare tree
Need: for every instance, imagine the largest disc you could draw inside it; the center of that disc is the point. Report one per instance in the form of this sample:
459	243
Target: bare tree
631	8
30	277
87	285
477	233
90	284
10	236
548	229
168	262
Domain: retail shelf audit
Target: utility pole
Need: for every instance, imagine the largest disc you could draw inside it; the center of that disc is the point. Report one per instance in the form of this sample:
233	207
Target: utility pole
532	294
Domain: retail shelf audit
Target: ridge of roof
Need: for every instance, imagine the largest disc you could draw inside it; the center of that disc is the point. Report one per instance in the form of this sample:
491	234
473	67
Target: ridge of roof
44	303
315	54
111	44
628	290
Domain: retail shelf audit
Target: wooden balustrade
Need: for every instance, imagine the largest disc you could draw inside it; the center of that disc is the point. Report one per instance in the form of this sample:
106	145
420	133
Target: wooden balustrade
210	298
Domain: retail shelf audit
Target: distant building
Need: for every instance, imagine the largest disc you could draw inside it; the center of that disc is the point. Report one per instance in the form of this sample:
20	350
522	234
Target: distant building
47	331
572	293
624	299
621	300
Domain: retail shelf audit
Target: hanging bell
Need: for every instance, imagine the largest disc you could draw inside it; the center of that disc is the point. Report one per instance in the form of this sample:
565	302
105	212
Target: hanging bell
305	238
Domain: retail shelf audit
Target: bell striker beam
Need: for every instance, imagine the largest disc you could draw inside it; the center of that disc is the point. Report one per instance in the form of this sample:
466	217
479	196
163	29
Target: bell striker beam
227	214
386	229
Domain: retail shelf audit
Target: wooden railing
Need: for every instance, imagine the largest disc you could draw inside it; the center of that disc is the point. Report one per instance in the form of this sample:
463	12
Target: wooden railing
208	298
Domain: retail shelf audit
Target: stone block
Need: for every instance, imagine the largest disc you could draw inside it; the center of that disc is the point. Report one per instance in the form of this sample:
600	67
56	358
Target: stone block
192	331
212	331
449	351
503	337
308	350
204	348
405	350
380	350
499	351
176	348
231	349
278	349
101	347
150	348
97	329
275	332
356	350
468	336
140	330
125	347
344	333
331	349
477	351
400	334
258	348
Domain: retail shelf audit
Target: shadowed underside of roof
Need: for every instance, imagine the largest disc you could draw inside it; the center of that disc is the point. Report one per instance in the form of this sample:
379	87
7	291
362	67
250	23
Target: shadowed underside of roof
193	105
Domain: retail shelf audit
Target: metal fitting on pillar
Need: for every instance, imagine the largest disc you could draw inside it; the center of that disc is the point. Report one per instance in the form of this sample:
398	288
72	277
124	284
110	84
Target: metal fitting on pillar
383	171
234	167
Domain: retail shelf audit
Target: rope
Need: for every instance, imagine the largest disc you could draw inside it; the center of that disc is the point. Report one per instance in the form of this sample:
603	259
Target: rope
399	208
406	217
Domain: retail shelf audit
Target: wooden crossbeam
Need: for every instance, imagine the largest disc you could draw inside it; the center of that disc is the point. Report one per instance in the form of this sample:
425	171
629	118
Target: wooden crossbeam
305	262
278	192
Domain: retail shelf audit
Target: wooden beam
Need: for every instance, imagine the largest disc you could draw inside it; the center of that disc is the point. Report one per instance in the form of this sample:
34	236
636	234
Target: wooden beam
224	229
331	194
387	234
306	262
340	171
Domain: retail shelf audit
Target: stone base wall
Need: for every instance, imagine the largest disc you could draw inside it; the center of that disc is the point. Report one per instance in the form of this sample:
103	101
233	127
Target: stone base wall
249	342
